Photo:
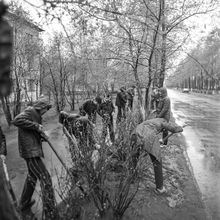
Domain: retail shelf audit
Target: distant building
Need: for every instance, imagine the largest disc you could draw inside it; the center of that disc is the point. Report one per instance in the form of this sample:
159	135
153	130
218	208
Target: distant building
26	57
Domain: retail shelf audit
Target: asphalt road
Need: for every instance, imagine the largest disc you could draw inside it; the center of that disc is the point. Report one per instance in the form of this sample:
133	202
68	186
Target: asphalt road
202	115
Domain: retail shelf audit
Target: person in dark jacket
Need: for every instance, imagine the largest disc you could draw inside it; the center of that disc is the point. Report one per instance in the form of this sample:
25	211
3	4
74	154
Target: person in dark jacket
121	101
145	138
155	97
30	133
164	109
90	107
106	109
82	129
130	96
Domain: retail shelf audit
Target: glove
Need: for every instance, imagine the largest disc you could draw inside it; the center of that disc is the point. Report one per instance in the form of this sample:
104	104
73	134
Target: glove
44	136
161	141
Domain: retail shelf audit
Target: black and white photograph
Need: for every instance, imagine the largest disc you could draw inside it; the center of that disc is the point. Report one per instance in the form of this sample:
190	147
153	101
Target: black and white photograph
109	110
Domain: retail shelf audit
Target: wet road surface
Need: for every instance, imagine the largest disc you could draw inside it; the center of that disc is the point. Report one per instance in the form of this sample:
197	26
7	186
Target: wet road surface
202	115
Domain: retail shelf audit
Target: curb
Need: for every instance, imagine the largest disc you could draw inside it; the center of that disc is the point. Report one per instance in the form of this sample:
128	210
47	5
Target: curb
185	154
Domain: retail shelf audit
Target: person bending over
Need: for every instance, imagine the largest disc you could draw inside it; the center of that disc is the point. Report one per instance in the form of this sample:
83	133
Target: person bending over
145	138
90	107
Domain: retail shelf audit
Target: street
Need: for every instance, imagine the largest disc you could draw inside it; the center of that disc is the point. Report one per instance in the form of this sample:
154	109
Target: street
201	113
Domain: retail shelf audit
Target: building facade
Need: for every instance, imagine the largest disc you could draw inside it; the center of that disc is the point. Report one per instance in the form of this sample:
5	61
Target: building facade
26	57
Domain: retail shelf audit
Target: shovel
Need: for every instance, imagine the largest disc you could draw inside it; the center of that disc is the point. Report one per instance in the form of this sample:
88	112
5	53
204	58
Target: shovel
45	137
10	189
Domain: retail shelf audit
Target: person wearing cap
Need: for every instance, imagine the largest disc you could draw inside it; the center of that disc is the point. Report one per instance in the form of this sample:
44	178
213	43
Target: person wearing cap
30	133
144	139
121	101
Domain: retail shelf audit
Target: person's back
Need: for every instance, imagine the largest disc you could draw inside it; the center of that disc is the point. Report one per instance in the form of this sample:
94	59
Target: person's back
88	107
145	138
29	138
82	129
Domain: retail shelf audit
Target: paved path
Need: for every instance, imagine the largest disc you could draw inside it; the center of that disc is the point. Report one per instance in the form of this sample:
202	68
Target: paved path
202	114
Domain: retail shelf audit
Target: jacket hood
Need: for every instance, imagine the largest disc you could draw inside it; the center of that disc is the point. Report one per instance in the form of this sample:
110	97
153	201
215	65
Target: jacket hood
41	104
163	92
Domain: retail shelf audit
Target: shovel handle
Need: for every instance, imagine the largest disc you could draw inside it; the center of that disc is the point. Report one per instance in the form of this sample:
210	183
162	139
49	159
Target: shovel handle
61	161
10	189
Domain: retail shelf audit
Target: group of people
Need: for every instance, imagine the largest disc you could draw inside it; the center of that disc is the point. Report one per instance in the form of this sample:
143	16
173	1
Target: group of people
31	135
105	108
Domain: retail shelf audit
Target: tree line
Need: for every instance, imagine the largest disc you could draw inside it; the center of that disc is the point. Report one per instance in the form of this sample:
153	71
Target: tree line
200	69
109	43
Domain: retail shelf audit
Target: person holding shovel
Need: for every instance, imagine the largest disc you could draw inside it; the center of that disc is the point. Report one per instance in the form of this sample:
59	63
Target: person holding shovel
30	133
145	138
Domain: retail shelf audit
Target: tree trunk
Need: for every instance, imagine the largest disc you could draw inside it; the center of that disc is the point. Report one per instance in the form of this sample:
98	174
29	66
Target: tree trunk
148	101
164	45
140	98
17	102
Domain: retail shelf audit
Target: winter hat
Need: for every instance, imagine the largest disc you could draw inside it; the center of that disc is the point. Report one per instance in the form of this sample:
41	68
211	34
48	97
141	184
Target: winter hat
42	104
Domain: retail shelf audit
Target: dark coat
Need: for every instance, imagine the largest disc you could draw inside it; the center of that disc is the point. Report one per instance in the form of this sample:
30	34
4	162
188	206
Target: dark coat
3	149
106	107
147	132
164	109
29	137
130	94
121	99
81	128
88	107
